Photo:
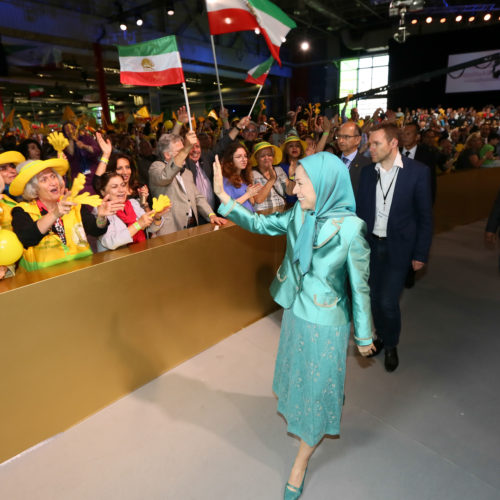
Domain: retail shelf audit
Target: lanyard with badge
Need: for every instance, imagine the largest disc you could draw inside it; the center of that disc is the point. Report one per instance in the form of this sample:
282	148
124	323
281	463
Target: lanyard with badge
383	213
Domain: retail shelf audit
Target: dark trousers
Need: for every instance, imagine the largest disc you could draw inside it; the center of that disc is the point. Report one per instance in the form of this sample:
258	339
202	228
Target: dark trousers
387	279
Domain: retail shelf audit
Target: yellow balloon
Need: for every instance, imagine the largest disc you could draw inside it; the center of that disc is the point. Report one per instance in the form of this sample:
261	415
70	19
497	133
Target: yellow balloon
11	249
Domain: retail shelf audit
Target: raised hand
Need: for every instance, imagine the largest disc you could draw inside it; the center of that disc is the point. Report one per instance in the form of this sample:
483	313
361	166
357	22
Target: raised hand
219	182
182	115
104	144
109	207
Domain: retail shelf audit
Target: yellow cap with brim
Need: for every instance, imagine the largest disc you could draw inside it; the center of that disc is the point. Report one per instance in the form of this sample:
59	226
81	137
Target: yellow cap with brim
278	155
294	138
29	169
11	157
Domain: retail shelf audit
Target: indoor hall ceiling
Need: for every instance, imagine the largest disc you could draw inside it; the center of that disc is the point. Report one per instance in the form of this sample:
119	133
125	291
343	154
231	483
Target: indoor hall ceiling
69	75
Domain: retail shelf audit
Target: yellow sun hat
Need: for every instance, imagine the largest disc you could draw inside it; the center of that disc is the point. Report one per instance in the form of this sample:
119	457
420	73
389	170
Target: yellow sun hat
11	157
278	155
27	170
294	138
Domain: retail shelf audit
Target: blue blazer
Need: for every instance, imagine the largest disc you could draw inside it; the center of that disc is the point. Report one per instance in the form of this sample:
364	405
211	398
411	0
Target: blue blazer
320	296
409	228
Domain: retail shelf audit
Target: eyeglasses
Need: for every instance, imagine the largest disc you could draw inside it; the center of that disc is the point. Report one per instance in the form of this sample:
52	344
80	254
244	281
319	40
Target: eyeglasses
251	130
345	137
240	157
262	155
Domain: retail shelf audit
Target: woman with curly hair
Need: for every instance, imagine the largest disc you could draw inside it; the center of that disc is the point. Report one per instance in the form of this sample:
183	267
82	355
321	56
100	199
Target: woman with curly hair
238	176
122	164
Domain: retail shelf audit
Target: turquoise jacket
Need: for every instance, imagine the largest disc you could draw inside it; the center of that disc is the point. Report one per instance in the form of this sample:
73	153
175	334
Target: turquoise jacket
320	296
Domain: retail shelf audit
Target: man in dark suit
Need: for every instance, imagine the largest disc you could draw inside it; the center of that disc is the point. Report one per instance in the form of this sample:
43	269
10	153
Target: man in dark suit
348	140
414	150
201	166
394	199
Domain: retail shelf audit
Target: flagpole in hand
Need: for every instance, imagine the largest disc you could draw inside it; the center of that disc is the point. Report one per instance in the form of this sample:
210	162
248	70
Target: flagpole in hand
216	71
187	105
255	102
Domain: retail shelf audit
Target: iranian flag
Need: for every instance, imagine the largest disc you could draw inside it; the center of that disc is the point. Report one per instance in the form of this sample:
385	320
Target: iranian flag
154	63
228	16
259	73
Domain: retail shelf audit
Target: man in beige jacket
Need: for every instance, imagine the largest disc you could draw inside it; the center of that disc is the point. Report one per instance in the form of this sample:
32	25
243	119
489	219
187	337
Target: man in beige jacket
168	176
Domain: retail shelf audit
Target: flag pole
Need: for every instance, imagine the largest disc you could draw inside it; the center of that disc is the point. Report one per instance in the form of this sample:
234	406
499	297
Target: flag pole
216	71
255	102
187	105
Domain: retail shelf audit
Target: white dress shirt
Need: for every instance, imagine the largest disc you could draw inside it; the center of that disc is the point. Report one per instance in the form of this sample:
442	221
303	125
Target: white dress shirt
384	187
412	151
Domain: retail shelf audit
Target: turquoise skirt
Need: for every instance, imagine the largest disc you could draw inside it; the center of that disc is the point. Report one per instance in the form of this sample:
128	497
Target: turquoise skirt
309	376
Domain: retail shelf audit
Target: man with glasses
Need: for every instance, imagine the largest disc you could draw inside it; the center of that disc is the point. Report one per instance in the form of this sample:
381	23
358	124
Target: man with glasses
250	134
348	141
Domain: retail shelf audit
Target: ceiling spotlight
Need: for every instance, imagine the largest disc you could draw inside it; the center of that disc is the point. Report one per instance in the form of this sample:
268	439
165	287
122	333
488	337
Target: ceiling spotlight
139	22
283	39
471	19
487	17
170	8
442	20
257	31
428	20
123	26
228	20
458	18
414	21
305	46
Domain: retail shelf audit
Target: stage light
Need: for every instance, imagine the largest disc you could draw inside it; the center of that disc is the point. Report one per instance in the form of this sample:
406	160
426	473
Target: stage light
283	39
428	20
471	19
458	18
228	20
123	27
139	22
414	21
487	17
257	31
305	46
442	20
170	8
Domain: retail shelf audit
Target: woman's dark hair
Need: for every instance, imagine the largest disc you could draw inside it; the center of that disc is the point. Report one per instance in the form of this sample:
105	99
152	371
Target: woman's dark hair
23	148
230	171
133	183
102	180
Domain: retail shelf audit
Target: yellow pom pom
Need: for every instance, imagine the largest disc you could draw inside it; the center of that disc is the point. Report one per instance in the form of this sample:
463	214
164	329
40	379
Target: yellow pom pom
11	249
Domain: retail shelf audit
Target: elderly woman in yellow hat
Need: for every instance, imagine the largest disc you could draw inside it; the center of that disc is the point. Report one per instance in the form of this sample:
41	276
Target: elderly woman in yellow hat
52	228
273	179
8	172
294	149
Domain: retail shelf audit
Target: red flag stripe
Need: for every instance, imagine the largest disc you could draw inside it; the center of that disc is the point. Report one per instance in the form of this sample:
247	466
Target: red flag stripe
257	81
242	20
153	78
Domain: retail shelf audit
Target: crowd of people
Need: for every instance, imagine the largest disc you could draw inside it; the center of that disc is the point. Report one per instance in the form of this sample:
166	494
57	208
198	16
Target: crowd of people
353	197
128	166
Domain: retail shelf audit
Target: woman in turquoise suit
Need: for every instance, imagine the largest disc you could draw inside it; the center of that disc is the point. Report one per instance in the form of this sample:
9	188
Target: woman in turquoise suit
325	248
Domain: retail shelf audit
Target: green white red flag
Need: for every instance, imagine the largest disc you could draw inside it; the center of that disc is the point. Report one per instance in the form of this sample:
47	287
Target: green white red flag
258	74
228	16
154	63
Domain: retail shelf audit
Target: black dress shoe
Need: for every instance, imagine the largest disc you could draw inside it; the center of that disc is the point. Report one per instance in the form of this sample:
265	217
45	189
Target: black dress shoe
391	361
379	345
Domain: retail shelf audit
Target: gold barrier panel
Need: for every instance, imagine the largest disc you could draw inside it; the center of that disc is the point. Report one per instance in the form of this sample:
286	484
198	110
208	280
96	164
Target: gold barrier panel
79	336
465	197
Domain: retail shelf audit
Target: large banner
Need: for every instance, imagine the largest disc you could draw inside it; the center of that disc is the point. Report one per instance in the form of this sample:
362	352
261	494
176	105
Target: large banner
484	78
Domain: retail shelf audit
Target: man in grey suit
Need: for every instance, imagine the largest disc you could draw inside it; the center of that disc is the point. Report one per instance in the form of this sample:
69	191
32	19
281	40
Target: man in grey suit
168	176
348	140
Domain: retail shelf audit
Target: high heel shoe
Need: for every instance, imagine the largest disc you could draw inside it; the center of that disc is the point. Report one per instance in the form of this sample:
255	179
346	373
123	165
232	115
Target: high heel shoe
292	492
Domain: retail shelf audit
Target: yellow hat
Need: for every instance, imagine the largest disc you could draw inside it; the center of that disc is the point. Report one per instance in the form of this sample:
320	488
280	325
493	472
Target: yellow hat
278	155
294	138
27	170
11	157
